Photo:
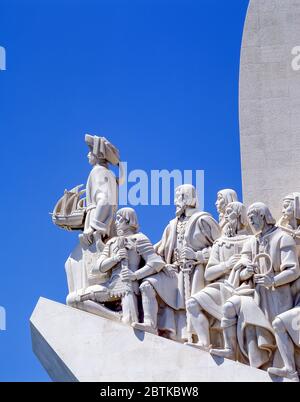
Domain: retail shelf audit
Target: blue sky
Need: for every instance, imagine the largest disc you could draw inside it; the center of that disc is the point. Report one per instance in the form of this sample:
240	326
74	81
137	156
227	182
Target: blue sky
159	78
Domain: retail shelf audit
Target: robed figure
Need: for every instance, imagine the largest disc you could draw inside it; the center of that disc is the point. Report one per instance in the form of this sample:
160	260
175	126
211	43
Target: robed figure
185	247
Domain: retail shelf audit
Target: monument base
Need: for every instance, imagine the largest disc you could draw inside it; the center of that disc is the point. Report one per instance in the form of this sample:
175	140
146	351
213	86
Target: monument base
73	345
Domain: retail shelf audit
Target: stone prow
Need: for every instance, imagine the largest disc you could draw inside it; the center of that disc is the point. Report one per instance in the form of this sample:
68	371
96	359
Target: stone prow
73	345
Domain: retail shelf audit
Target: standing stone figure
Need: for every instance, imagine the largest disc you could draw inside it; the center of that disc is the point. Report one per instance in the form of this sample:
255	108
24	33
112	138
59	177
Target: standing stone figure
265	291
185	247
290	219
127	258
224	197
205	307
101	205
287	325
101	190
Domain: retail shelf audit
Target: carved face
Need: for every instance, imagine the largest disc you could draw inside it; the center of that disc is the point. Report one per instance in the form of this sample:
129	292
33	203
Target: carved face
230	215
182	199
288	209
92	158
256	220
220	203
121	224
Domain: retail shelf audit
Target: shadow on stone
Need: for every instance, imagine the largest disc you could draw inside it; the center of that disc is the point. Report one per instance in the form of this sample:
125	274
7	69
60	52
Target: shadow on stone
218	360
139	334
275	378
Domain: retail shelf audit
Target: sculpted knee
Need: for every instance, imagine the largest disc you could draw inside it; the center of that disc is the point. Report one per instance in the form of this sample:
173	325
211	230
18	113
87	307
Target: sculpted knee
71	299
229	310
277	325
147	289
192	306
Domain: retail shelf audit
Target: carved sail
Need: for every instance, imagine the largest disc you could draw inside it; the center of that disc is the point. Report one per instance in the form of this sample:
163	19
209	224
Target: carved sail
69	211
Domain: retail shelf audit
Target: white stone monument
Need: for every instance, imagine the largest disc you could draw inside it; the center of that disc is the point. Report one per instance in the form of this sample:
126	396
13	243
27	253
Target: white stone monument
211	302
270	102
182	300
73	345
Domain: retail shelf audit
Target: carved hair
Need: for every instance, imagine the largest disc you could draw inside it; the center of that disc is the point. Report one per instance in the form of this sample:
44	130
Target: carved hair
241	212
130	216
229	195
191	193
263	210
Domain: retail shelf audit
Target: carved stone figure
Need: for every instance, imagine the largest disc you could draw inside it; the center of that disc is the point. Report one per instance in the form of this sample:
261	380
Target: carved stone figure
101	205
126	259
224	197
290	219
101	189
185	247
265	291
287	325
287	333
205	307
213	285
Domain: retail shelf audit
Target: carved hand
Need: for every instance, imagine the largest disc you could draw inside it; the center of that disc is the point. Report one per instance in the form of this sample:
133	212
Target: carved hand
263	280
122	254
88	236
233	260
128	276
205	254
248	272
188	253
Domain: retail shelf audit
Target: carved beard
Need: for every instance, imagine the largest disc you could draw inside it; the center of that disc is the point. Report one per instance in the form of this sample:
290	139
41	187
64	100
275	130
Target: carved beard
230	229
180	210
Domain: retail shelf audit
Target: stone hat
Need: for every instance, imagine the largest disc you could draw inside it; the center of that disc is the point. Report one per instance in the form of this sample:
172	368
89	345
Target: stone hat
102	148
296	198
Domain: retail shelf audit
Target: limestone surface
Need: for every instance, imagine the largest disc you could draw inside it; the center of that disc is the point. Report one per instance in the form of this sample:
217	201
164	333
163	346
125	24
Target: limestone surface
270	101
73	345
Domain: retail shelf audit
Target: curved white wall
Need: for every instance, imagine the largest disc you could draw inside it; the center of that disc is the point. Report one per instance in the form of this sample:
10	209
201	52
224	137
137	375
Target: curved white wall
270	101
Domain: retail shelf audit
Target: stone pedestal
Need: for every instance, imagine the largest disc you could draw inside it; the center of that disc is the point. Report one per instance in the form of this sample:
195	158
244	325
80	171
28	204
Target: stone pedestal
73	345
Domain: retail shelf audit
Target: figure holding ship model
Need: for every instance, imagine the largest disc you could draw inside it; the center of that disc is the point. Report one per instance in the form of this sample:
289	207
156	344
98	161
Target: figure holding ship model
93	215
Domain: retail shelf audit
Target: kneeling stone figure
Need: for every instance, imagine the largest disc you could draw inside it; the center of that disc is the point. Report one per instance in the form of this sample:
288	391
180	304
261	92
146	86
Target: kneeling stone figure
126	258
